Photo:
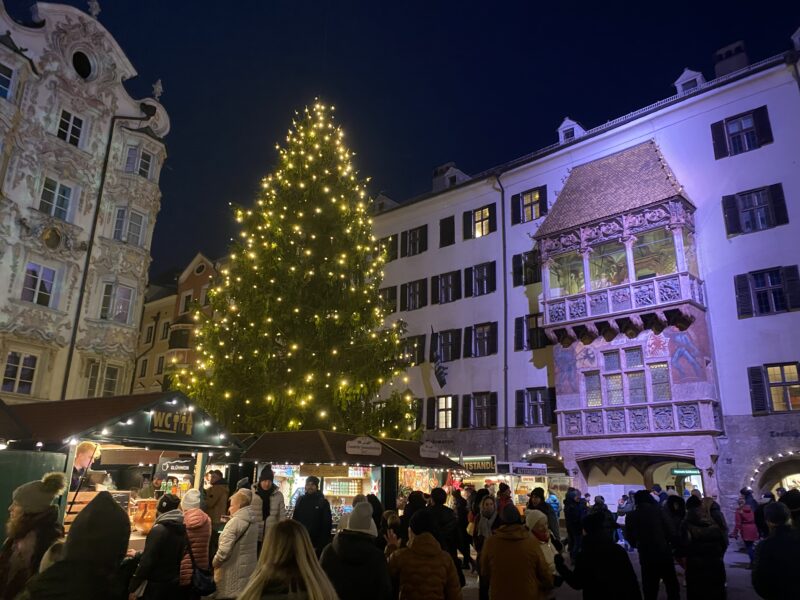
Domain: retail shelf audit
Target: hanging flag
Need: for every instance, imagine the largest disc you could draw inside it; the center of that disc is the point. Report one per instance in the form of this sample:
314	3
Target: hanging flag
439	370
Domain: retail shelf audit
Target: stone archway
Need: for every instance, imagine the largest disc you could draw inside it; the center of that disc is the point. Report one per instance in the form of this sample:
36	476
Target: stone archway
767	479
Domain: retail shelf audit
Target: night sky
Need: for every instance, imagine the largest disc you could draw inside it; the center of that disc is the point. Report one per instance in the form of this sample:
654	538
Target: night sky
415	84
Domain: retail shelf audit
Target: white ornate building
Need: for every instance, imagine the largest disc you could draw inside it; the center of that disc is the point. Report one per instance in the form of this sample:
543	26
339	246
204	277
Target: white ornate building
79	167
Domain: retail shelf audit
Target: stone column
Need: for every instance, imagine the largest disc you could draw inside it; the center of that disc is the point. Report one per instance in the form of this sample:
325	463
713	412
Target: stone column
680	253
629	241
587	271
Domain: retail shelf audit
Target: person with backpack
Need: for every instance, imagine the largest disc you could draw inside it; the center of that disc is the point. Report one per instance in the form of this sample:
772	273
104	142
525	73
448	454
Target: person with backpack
313	511
236	557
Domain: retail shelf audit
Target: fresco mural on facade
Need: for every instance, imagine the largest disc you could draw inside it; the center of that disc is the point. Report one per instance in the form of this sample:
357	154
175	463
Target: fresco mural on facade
565	368
690	356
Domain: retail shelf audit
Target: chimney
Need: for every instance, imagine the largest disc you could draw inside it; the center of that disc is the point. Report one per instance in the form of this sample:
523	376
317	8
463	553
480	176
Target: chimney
730	58
446	176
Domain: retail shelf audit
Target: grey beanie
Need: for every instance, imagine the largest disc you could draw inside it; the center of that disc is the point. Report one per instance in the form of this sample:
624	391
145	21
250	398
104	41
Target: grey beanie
37	496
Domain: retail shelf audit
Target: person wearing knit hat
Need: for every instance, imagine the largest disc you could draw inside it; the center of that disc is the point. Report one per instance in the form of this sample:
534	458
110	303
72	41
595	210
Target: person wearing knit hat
537	523
313	511
32	528
90	566
354	563
198	531
269	500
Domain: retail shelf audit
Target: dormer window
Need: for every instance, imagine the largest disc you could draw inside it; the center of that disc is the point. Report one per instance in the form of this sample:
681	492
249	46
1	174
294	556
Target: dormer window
6	75
689	85
569	134
139	161
70	127
688	81
569	131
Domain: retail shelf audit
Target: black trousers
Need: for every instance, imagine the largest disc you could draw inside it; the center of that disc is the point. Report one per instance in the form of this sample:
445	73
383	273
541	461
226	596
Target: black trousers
654	569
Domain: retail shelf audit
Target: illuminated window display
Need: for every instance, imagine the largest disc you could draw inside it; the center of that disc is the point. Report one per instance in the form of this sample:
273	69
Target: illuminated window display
654	254
608	265
566	275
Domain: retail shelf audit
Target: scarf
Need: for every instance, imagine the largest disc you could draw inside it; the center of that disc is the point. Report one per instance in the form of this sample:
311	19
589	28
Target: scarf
265	496
485	525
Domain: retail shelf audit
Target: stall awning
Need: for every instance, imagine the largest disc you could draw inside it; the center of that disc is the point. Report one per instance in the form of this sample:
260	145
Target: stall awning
165	420
329	447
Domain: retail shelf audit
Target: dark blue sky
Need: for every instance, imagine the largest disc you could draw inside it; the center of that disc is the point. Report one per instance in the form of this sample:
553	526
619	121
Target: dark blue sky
416	84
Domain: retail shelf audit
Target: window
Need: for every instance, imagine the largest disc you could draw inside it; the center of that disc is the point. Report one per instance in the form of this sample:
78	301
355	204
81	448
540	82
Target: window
6	75
160	365
143	368
103	379
186	302
529	332
129	226
741	133
414	349
414	295
480	222
526	268
389	244
755	210
414	241
116	303
204	301
446	287
659	381
689	85
529	205
110	381
767	292
637	391
633	358
611	361
165	330
389	298
480	279
39	283
594	397
447	232
70	127
138	161
82	65
534	406
614	392
19	372
784	387
444	412
481	410
483	336
148	338
145	162
55	199
608	265
654	254
566	275
448	345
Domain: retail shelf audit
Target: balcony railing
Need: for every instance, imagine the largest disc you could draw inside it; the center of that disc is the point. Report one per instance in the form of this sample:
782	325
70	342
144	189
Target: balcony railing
638	419
629	297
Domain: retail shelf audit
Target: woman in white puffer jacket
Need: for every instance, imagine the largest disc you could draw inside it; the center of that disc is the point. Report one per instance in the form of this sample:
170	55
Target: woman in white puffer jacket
237	557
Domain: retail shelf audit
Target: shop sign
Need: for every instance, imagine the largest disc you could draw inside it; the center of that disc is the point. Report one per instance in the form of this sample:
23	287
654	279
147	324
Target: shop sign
481	464
175	423
364	446
176	465
428	450
685	471
324	470
535	469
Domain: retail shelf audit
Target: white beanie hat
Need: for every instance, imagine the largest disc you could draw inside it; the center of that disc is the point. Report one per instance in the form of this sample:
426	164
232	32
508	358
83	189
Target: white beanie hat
533	517
191	499
37	496
361	520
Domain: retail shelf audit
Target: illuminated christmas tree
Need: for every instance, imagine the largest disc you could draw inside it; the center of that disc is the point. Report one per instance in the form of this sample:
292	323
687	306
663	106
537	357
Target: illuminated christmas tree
296	339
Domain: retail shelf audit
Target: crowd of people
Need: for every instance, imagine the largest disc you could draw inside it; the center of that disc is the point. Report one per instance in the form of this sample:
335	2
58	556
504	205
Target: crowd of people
208	544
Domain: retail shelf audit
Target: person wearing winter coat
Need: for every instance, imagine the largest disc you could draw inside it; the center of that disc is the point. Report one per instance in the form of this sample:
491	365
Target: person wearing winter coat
573	517
503	498
32	528
269	499
198	533
313	511
90	566
775	574
414	503
761	521
704	547
236	557
536	523
486	524
675	512
537	502
513	563
552	500
792	501
461	510
648	530
354	563
422	570
160	562
446	526
609	522
602	569
745	520
216	499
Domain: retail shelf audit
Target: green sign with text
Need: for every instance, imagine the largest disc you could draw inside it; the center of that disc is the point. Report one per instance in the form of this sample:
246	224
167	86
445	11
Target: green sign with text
685	471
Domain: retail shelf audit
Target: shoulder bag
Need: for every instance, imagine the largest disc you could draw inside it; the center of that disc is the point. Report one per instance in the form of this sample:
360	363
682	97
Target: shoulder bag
202	579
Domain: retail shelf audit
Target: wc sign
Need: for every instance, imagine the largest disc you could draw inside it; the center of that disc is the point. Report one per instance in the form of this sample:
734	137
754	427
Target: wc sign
175	423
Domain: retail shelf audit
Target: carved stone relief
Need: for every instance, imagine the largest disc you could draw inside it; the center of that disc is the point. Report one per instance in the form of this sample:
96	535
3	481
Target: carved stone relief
638	420
662	418
689	416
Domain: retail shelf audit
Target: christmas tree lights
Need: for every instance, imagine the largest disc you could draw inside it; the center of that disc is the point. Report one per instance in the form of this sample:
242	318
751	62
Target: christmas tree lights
295	335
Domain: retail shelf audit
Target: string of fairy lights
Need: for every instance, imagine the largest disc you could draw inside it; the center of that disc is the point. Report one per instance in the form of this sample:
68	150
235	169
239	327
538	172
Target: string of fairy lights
297	323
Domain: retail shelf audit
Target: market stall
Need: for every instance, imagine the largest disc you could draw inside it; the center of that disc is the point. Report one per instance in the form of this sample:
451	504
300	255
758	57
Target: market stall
137	447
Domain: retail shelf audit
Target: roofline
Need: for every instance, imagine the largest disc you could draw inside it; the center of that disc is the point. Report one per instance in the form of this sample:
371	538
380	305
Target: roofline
757	67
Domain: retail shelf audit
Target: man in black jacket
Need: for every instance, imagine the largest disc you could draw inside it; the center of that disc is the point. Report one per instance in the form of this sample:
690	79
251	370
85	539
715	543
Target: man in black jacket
446	527
537	502
313	511
354	563
775	573
648	531
164	548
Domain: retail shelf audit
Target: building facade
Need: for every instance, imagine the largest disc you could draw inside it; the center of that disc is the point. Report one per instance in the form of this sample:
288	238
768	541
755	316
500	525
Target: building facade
80	162
626	298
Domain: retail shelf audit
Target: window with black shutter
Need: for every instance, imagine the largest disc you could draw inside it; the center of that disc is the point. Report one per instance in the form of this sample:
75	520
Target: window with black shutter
755	210
768	291
741	133
389	244
414	241
758	390
493	409
468	285
484	336
529	332
783	386
447	232
466	411
389	298
529	205
531	268
533	407
414	349
419	412
446	287
467	342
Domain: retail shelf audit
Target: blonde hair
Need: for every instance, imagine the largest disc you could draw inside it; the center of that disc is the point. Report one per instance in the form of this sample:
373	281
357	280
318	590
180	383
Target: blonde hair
288	558
88	448
243	498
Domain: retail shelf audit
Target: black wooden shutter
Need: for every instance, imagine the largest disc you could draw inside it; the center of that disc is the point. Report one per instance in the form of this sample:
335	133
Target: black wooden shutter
457	344
778	202
435	289
467	342
516	213
420	356
516	268
423	243
744	299
492	276
791	283
393	247
466	411
543	200
492	217
493	338
456	285
454	414
431	414
539	338
423	292
447	231
763	128
730	210
758	390
493	409
468	225
434	344
719	139
404	296
519	334
420	411
520	408
404	244
468	282
548	410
